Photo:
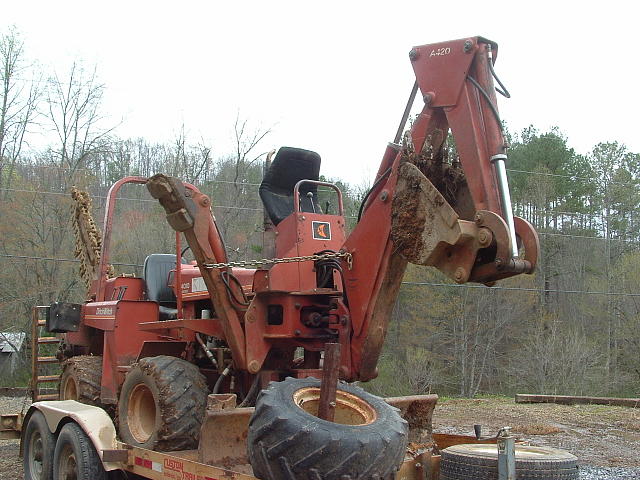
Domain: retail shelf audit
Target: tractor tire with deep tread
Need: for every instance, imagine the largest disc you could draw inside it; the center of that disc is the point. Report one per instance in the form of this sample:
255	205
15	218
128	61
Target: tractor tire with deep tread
162	404
75	457
81	378
480	462
287	441
38	445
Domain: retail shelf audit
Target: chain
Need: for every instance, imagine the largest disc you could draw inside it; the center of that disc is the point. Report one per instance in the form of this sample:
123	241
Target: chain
273	261
87	235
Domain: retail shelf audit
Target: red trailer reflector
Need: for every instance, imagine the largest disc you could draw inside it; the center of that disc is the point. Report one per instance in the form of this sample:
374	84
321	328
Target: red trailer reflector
143	462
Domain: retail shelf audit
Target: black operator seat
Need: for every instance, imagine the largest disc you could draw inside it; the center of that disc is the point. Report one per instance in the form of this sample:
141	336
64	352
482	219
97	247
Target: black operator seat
156	278
289	166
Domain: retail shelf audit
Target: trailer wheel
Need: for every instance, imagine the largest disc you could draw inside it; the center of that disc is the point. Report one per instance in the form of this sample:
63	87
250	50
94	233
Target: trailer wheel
480	461
81	379
38	443
75	457
162	404
288	441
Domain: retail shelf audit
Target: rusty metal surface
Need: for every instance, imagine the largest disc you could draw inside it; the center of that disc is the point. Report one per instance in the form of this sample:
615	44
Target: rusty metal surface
444	440
217	402
182	465
329	384
417	410
10	426
223	438
104	269
191	214
179	465
428	231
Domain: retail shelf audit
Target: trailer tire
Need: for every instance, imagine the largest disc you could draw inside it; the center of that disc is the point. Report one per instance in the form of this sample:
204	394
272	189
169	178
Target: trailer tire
480	461
75	457
162	404
81	379
39	444
286	441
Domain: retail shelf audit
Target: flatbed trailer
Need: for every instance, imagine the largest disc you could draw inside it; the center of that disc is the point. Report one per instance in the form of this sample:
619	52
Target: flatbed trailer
79	442
114	458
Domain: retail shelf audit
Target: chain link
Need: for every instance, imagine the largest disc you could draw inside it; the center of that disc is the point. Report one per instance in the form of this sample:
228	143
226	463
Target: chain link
273	261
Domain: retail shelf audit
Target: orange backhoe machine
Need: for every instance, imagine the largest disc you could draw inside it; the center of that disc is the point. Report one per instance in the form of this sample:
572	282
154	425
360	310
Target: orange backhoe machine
167	354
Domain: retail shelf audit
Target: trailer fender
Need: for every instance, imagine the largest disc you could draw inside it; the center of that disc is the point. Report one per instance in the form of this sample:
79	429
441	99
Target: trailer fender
94	421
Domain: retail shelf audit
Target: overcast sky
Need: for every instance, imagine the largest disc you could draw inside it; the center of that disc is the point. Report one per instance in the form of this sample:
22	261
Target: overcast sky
334	76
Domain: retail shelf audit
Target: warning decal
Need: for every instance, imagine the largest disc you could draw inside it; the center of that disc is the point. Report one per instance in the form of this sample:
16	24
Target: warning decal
321	230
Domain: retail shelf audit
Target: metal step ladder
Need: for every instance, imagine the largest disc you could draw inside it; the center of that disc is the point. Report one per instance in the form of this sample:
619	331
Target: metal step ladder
45	367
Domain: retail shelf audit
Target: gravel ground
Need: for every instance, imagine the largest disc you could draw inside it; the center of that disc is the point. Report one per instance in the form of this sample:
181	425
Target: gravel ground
10	462
605	439
608	473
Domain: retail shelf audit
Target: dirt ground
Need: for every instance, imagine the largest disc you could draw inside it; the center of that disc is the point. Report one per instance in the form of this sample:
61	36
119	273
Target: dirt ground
605	439
10	462
598	435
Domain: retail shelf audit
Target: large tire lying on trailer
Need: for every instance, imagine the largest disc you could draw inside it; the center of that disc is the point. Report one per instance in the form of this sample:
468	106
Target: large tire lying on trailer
81	378
162	404
480	462
38	444
288	442
75	457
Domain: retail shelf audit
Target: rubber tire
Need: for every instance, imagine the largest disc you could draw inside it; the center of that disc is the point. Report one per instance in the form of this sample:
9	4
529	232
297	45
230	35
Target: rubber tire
88	465
462	462
286	442
86	372
37	425
180	395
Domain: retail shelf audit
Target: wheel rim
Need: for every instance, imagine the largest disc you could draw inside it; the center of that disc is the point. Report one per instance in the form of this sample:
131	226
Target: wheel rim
70	389
350	409
141	413
35	455
67	466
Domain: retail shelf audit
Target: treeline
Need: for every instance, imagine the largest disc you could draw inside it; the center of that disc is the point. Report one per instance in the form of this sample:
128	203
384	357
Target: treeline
572	328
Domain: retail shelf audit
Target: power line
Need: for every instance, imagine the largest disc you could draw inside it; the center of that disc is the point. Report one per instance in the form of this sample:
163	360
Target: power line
55	259
44	192
572	177
547	234
523	289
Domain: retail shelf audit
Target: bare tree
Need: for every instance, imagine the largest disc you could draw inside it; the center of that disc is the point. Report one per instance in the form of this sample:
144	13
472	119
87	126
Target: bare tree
239	175
18	101
190	162
74	112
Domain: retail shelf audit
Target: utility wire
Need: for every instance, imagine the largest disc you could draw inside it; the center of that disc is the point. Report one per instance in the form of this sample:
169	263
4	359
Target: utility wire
44	192
55	259
523	289
572	177
512	170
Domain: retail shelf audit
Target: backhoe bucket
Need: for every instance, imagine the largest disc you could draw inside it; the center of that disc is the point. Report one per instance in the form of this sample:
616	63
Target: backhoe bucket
428	231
